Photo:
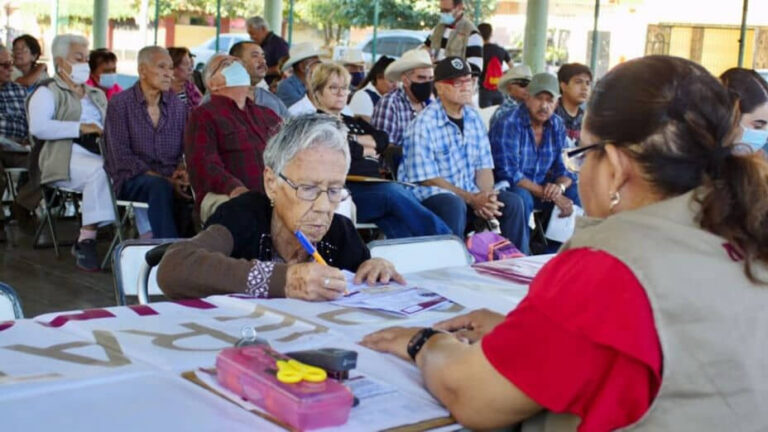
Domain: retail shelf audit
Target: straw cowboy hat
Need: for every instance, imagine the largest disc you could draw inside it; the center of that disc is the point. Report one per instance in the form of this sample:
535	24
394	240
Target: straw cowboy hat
299	52
518	73
413	59
352	56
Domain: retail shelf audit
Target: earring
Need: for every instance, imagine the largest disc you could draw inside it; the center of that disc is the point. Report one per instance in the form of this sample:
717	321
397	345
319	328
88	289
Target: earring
271	202
615	200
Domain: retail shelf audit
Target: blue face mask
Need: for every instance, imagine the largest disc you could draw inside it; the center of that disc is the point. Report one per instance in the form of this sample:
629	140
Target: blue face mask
447	18
754	138
357	78
236	75
107	81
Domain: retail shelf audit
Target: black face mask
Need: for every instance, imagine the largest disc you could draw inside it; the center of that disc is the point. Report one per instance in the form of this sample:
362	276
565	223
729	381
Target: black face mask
421	91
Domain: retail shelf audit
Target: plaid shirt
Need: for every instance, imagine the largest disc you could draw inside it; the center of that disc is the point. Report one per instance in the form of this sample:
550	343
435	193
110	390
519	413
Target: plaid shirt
572	124
516	154
13	117
393	114
433	146
504	110
224	145
133	144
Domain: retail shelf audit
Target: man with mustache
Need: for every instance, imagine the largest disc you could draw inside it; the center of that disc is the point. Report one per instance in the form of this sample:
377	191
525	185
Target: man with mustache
252	56
575	80
143	131
527	148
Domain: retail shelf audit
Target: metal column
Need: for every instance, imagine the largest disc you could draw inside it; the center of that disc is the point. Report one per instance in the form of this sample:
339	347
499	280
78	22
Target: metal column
375	30
100	23
273	13
535	44
743	35
595	40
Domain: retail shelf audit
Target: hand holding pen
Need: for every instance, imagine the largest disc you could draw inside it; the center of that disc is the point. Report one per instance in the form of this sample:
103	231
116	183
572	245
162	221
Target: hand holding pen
314	281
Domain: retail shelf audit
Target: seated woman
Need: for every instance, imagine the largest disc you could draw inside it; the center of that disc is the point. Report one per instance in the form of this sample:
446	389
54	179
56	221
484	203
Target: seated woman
371	90
391	206
752	91
653	316
66	117
249	245
103	64
27	71
182	82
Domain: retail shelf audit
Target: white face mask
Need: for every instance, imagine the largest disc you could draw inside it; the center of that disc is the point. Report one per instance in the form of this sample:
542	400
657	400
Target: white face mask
79	73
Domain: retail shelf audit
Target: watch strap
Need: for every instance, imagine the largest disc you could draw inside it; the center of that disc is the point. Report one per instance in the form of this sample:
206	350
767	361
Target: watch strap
418	340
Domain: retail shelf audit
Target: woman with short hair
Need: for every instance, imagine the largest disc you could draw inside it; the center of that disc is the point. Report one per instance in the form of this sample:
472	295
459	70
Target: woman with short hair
66	117
392	207
103	64
26	53
250	244
182	83
654	315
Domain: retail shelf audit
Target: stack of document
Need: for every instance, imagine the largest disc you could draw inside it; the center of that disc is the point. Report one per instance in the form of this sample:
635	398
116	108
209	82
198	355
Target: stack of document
393	298
517	270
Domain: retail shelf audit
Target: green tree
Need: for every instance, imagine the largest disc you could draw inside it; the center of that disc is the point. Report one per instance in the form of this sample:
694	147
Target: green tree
335	16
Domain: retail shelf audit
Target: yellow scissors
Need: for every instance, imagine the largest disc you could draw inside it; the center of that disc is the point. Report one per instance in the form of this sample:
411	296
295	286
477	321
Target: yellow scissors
293	371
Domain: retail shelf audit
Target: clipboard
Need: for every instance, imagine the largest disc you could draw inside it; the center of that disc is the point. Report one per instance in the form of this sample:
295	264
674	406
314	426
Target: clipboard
366	179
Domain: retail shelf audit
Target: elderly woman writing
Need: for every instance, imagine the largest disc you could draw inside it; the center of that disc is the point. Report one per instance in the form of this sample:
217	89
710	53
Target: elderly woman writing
250	244
652	316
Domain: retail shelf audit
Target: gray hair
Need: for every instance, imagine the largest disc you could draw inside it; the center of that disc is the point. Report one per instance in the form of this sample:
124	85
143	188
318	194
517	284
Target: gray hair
63	42
303	132
208	71
148	52
257	22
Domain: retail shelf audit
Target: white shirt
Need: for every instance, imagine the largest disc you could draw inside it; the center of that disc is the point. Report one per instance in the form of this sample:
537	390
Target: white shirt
42	125
361	103
305	106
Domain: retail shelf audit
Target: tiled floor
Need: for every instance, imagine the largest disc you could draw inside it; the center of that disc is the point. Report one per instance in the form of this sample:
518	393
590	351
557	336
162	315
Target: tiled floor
47	284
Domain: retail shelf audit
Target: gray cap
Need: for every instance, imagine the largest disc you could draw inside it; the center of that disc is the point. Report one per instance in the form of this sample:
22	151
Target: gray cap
544	82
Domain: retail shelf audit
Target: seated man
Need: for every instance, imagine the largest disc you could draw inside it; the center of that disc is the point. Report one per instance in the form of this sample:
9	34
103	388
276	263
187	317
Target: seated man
575	80
249	245
13	125
66	118
224	139
513	84
143	132
293	88
103	65
527	150
446	150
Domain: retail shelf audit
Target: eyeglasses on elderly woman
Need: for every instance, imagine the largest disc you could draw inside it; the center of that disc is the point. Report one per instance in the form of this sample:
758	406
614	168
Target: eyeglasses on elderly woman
311	192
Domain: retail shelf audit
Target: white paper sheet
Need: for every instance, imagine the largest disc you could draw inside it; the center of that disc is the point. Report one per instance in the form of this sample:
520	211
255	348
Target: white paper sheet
561	229
401	300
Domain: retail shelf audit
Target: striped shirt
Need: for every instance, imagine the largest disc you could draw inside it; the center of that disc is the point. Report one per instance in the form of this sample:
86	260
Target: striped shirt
435	147
474	51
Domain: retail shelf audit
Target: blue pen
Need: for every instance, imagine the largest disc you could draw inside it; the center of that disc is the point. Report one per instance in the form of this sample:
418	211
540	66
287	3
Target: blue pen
309	248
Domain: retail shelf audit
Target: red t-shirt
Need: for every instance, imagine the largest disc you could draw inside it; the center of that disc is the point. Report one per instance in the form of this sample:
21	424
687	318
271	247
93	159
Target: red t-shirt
582	342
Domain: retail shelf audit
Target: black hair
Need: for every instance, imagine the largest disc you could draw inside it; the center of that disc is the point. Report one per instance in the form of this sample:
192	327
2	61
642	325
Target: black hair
486	30
750	88
100	56
237	49
377	71
31	43
570	70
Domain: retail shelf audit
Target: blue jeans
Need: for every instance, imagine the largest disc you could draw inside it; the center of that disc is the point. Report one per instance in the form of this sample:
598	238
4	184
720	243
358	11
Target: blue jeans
158	193
455	212
395	210
531	203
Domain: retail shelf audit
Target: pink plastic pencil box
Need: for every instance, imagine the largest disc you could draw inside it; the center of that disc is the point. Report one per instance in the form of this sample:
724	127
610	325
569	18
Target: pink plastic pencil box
250	372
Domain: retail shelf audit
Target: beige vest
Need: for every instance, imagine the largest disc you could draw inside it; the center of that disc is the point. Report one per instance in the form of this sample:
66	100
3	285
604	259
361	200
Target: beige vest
712	322
54	155
456	45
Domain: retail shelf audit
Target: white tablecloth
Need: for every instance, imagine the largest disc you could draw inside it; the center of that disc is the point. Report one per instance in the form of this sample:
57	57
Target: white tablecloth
121	368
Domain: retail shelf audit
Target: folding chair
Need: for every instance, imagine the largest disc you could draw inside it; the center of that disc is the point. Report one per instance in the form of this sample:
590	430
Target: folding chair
12	178
133	268
10	305
129	214
414	254
55	200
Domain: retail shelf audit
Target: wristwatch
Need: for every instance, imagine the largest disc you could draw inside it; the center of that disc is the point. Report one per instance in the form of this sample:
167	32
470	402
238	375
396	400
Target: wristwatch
562	187
418	340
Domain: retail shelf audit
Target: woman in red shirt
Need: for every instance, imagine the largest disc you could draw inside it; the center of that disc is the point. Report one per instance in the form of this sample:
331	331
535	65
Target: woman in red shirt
590	340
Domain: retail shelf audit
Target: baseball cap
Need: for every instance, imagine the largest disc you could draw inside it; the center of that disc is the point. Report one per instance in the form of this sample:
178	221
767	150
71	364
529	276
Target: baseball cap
544	82
452	67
